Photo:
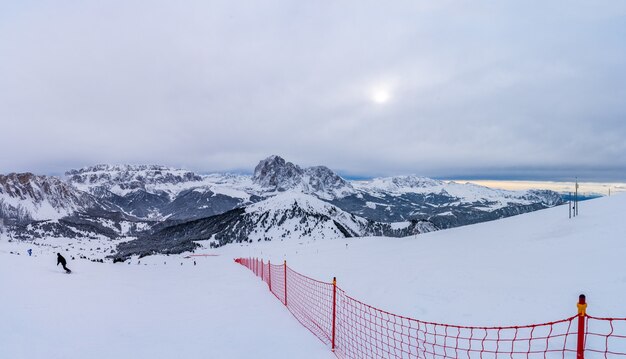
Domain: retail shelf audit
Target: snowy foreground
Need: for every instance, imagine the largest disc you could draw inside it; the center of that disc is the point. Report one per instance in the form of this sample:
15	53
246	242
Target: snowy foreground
212	310
520	270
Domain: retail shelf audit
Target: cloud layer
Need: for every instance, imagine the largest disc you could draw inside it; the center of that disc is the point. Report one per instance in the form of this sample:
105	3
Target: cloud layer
489	89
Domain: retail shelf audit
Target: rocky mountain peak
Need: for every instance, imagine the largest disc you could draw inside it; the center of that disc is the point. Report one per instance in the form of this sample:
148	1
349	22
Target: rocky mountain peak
322	178
28	185
277	174
29	196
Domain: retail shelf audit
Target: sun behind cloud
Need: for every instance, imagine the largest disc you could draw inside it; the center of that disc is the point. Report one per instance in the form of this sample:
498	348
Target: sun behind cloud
380	95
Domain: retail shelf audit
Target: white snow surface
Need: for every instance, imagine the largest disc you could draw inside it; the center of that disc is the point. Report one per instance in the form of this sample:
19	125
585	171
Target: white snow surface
270	214
40	197
152	310
524	269
40	210
519	270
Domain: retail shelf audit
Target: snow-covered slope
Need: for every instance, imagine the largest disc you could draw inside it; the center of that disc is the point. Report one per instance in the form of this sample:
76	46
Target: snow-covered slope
25	197
159	309
287	216
519	270
295	215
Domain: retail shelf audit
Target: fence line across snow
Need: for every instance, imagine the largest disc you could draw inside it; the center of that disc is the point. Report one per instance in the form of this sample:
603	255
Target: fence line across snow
353	329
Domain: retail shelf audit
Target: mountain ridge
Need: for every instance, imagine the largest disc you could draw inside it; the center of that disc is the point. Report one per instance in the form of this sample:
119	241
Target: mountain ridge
141	200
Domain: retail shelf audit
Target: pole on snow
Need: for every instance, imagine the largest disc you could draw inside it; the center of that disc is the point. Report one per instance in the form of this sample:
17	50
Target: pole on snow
334	310
582	313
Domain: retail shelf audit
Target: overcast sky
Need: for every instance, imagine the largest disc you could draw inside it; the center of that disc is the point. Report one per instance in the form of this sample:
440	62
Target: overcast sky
449	89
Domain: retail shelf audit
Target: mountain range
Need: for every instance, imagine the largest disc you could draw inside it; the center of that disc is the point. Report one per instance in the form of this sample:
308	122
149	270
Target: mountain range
160	209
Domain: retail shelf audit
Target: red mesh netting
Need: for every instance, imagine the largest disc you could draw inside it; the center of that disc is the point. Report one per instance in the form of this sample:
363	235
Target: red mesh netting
363	331
605	337
310	301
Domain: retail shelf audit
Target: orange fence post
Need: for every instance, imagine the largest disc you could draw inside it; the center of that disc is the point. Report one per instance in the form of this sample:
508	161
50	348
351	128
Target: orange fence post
269	272
285	266
334	309
582	313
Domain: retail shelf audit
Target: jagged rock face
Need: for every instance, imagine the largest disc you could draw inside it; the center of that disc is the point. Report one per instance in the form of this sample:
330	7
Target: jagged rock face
25	197
152	192
275	174
27	186
43	206
125	178
323	179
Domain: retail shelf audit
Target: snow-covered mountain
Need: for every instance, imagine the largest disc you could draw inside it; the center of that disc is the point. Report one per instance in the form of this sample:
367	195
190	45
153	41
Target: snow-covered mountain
157	192
463	192
285	216
33	206
448	204
274	174
280	200
26	197
124	179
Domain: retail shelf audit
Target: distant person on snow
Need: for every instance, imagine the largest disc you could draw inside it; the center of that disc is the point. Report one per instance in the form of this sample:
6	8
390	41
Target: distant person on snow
63	262
30	252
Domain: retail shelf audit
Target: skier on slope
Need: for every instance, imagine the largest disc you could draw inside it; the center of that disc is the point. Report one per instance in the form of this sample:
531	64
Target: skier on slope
63	262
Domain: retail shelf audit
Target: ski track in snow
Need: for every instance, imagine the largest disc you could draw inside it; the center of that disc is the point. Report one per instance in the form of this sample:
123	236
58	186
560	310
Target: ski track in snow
212	310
